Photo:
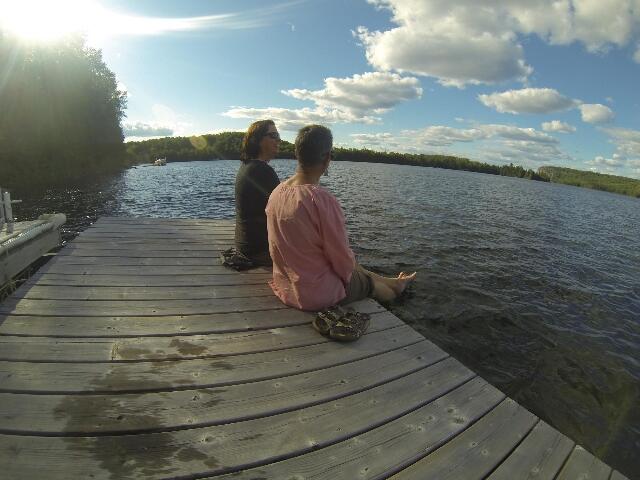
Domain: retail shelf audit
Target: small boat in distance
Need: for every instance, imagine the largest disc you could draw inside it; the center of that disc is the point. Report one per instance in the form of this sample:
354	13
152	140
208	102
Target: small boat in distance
160	161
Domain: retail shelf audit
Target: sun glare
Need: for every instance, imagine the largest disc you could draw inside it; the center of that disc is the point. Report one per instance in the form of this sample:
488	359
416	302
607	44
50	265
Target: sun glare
47	20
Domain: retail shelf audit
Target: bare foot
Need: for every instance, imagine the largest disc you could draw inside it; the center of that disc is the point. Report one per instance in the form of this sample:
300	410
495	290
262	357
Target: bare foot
402	281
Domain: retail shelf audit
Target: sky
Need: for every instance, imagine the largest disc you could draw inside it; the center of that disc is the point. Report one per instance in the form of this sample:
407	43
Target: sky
529	82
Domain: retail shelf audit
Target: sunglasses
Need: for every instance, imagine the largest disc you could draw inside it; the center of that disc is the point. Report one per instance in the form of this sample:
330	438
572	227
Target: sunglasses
274	135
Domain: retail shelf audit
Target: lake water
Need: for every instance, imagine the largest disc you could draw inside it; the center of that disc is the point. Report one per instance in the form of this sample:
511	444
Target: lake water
535	286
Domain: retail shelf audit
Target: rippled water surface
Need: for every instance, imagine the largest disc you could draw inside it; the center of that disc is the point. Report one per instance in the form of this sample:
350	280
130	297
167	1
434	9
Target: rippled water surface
535	286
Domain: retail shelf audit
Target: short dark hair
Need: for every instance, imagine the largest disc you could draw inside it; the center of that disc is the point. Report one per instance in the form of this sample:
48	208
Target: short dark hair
312	144
251	142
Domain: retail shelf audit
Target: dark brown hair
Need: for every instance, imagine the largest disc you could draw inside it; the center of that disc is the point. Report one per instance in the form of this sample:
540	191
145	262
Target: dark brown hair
251	142
312	144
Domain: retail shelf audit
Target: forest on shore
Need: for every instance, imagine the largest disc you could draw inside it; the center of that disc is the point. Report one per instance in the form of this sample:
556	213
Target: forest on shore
596	181
226	145
61	113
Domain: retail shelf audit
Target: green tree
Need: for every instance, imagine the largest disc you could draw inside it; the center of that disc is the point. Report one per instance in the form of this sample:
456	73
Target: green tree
60	112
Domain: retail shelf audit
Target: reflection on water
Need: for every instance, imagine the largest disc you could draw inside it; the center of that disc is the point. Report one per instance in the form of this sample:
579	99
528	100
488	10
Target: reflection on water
535	286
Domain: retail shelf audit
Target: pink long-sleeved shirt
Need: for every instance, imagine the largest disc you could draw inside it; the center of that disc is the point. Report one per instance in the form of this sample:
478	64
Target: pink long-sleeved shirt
312	261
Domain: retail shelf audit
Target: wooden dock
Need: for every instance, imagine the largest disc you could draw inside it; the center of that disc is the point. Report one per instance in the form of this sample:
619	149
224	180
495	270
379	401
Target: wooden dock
135	355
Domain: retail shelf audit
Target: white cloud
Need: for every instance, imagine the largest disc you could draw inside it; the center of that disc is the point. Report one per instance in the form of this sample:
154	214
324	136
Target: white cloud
381	141
595	113
294	119
371	92
527	100
517	133
440	136
528	154
558	126
477	41
615	161
140	129
597	24
499	143
164	122
545	100
626	140
454	57
636	55
356	99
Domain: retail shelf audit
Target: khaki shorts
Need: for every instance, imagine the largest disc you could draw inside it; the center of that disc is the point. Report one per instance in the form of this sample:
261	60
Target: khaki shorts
359	288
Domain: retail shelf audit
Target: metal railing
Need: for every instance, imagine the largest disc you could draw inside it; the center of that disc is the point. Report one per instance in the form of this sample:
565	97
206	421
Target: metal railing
6	210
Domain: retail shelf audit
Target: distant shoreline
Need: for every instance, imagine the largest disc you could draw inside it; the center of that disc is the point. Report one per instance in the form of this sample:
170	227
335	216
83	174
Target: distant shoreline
226	146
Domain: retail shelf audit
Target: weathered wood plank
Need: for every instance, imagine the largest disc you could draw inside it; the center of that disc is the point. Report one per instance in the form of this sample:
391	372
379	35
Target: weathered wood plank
125	235
540	456
253	277
102	308
383	451
205	261
79	327
228	447
222	241
581	464
132	221
145	252
74	350
41	292
129	270
616	475
128	413
144	223
167	229
477	450
30	377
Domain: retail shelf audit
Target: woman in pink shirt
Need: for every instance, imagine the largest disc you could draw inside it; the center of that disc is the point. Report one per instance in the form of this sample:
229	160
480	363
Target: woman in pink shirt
313	265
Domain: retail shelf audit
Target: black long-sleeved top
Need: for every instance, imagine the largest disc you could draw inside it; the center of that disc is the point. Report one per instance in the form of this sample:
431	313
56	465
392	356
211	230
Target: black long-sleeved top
254	183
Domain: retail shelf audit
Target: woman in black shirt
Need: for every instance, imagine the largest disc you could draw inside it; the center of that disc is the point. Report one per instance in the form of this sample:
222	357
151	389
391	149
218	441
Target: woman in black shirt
254	183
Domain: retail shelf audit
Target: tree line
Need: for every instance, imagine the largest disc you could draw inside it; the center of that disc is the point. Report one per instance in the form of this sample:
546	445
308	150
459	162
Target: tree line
60	114
597	181
227	146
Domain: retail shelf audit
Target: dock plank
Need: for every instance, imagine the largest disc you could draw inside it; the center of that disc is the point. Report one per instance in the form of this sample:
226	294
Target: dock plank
148	261
102	308
251	277
146	251
581	464
229	447
75	350
166	230
134	221
48	414
133	377
32	291
98	236
387	449
168	325
539	457
479	449
130	270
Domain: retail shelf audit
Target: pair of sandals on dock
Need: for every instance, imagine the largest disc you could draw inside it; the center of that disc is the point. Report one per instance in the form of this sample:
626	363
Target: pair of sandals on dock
343	324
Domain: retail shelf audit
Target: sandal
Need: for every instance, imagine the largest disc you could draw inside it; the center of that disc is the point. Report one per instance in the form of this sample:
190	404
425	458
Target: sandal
344	325
232	258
